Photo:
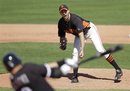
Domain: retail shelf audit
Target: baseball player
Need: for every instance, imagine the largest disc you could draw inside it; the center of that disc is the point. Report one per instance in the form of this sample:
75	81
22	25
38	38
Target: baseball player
31	77
82	29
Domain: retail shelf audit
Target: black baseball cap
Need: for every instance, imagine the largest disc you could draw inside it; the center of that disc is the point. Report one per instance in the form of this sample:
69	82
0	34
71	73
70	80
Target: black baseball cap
10	60
63	7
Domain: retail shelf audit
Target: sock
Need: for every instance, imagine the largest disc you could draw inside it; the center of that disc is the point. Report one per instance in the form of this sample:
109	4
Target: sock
112	62
75	70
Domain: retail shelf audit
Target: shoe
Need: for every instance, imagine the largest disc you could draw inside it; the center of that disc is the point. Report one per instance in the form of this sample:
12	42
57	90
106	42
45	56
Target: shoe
74	79
118	75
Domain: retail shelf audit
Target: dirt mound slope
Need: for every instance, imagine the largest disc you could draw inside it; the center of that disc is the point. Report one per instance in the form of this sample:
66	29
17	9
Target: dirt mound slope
88	79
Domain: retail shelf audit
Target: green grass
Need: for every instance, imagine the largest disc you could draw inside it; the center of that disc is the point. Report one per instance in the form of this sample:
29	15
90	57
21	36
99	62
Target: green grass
6	89
49	52
46	11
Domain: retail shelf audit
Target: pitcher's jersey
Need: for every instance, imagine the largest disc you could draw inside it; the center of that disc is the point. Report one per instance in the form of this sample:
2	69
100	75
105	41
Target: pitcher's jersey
74	26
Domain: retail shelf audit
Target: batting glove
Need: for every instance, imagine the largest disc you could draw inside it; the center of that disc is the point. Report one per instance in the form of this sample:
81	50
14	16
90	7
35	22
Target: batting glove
71	62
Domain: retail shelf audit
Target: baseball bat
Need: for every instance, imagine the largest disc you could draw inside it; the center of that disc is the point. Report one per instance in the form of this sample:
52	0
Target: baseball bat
98	55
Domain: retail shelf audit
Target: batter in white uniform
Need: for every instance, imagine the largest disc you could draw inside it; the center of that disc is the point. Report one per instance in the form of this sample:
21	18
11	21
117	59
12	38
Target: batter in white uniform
82	29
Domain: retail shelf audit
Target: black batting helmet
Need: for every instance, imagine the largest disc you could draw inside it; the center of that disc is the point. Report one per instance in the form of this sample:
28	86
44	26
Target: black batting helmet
10	60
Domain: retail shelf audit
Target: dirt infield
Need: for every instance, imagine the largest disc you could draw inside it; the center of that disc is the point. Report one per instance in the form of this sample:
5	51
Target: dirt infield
48	33
89	78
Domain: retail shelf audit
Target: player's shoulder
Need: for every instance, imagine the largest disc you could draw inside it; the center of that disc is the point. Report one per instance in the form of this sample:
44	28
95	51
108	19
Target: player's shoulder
61	19
30	65
74	15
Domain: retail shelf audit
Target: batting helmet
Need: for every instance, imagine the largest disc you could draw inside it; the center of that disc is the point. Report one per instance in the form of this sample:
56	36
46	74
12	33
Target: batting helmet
10	60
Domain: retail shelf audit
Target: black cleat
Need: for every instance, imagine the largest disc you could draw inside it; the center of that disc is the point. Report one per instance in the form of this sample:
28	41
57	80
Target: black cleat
74	79
118	75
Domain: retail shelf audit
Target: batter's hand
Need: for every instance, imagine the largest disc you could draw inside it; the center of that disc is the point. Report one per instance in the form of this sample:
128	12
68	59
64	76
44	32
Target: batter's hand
67	65
71	62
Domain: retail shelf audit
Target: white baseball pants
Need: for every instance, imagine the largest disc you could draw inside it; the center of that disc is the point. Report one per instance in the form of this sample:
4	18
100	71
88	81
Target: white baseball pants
93	35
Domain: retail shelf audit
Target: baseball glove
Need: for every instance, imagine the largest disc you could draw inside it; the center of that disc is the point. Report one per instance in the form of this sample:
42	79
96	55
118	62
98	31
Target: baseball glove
63	43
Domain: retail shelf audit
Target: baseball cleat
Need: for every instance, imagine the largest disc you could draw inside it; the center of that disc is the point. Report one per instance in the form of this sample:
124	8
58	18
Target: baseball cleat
118	75
74	79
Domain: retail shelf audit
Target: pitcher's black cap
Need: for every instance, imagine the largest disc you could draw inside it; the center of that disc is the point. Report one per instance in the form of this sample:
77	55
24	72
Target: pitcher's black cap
63	7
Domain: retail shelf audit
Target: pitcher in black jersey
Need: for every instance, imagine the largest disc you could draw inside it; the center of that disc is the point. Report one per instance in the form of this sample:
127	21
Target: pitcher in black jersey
82	29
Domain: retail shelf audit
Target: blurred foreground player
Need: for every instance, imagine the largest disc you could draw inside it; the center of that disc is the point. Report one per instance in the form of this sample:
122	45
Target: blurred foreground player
31	77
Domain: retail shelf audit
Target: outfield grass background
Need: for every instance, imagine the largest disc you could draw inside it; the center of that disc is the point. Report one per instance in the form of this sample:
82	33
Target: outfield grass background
106	12
46	11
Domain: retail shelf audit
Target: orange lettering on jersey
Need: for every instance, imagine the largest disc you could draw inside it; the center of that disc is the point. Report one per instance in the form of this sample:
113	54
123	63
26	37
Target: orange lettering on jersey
86	24
71	31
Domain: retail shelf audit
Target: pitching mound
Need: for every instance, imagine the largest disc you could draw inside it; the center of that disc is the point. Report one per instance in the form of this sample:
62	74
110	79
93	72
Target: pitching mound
88	79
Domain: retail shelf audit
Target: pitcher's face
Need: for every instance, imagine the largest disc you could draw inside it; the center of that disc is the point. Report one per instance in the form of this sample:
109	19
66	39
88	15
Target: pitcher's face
65	13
